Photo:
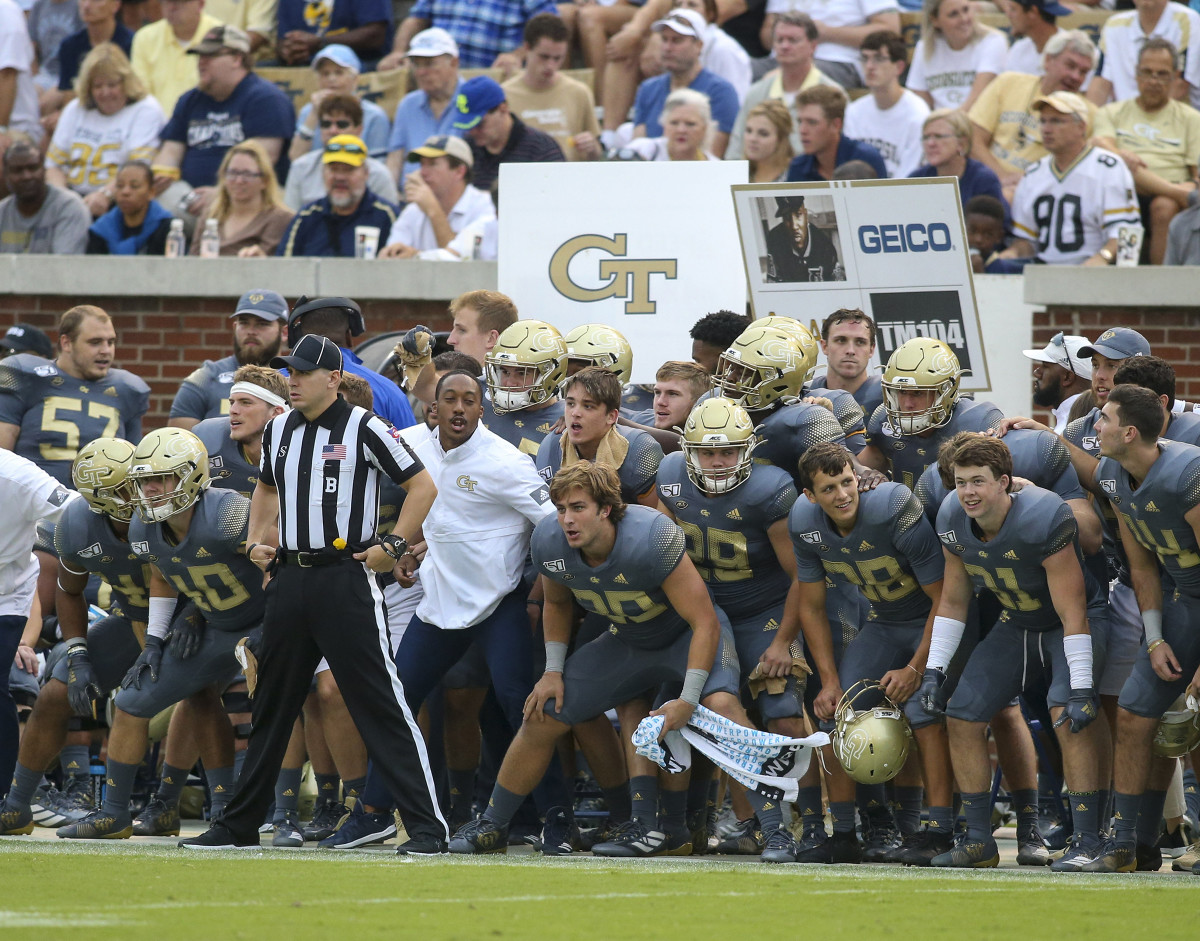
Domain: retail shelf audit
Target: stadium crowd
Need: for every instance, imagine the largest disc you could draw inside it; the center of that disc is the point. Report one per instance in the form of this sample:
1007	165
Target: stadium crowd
109	135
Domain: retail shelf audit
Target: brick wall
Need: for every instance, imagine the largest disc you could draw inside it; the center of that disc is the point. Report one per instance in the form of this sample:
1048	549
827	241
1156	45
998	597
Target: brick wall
164	339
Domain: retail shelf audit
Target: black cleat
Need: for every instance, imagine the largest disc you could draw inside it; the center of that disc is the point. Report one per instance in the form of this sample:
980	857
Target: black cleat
924	845
745	840
1112	857
98	826
560	833
779	847
970	854
813	845
157	819
1081	850
879	842
634	839
1149	858
845	848
423	846
480	836
1031	848
325	820
220	837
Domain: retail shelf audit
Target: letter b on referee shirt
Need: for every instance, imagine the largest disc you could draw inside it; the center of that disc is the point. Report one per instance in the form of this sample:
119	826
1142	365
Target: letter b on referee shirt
331	484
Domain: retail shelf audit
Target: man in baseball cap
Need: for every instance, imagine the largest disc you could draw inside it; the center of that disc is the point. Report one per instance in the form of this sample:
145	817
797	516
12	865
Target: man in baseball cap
1033	24
1059	376
312	352
497	135
426	110
1111	349
26	338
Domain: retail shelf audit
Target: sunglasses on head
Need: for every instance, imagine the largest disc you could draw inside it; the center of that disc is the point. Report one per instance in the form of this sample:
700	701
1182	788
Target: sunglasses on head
353	149
1060	341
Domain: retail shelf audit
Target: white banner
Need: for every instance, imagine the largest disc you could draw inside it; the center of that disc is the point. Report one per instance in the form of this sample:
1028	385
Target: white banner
647	248
897	249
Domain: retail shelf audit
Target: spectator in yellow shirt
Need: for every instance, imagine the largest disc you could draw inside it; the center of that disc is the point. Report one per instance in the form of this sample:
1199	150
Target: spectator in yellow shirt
160	50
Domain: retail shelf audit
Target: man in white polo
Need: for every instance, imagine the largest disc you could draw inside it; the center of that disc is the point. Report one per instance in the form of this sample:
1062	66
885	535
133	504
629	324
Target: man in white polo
1060	376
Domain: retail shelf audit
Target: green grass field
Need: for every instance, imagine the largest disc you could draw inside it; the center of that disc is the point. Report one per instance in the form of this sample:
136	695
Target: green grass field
131	890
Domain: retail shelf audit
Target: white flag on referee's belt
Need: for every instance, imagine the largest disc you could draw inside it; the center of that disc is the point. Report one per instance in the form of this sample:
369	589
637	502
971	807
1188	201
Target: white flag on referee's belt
767	763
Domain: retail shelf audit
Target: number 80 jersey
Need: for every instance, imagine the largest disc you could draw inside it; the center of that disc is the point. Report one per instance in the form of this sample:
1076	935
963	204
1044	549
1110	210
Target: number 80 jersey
1072	213
58	414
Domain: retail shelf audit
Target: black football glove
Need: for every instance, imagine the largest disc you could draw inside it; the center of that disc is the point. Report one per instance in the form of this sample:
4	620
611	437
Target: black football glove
82	688
933	699
186	634
1080	710
149	659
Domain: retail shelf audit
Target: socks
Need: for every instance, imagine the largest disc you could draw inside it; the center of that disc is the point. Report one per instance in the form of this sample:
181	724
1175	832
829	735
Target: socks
872	799
674	810
768	812
327	788
843	816
941	819
808	805
220	789
1150	816
287	792
462	791
1025	803
351	789
74	760
977	806
1085	812
502	806
907	810
170	785
620	807
118	785
643	790
25	781
1125	816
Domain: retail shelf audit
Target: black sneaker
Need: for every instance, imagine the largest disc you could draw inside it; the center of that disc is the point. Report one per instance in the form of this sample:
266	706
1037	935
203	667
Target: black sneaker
1031	848
879	842
969	854
1112	856
1081	850
1172	843
423	846
601	834
15	821
922	846
98	826
1149	858
633	839
845	848
813	846
745	840
779	847
480	836
287	832
325	819
697	824
220	837
361	829
157	819
560	834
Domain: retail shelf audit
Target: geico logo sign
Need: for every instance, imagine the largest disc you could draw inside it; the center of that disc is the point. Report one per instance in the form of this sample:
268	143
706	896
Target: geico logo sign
914	237
620	277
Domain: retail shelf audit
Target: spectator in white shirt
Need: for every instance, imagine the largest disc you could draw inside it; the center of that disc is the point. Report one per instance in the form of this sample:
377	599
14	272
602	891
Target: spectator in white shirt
441	201
723	55
891	116
956	56
1032	24
18	94
842	25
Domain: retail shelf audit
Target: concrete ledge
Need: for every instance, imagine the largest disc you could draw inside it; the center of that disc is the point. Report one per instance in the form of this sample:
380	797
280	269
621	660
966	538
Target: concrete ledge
1066	285
106	276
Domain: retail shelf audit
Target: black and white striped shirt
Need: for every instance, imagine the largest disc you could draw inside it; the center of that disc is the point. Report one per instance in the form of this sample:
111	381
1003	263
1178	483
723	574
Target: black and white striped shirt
327	474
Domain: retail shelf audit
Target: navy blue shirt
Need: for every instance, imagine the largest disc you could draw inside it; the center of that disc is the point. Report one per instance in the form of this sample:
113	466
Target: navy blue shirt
803	169
978	179
318	231
73	49
318	19
208	128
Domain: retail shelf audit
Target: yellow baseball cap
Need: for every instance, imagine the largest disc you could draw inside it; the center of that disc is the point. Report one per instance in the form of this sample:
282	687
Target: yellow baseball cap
345	148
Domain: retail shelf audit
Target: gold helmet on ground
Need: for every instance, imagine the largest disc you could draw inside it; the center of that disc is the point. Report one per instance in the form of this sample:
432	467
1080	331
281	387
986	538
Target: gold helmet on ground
526	366
718	423
921	365
100	473
169	452
763	365
598	344
872	745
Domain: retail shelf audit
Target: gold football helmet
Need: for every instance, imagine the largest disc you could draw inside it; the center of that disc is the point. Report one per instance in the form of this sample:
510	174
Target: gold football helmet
600	345
100	473
803	337
526	365
1178	731
169	452
921	365
761	366
871	744
718	423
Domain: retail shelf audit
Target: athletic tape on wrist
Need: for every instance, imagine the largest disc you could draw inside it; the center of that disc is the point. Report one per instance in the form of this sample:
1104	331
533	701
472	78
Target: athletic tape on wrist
1152	622
159	622
693	686
1078	648
947	634
556	656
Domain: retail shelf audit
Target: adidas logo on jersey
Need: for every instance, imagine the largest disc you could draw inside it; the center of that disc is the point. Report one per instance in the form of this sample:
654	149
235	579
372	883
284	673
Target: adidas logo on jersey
1012	554
620	579
203	553
865	546
733	514
1150	507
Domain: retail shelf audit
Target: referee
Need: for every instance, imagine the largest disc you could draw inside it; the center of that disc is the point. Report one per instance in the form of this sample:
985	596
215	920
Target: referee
320	483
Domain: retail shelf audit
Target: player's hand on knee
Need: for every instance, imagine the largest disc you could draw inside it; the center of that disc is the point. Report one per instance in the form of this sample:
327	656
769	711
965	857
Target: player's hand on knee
82	688
550	686
1164	662
148	661
1081	710
186	635
776	660
933	697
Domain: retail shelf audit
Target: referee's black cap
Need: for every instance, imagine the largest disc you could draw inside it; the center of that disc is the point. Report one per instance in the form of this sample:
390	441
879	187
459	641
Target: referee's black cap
26	338
312	352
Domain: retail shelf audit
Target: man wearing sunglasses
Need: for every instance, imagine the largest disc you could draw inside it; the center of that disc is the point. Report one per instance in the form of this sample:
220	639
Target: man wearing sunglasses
325	228
1059	376
336	114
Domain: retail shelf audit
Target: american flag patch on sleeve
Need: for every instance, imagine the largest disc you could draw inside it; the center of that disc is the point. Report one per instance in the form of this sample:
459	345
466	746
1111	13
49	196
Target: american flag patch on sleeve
333	452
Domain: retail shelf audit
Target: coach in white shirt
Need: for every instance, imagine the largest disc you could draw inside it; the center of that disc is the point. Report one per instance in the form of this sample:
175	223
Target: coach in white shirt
441	201
27	494
891	117
1060	376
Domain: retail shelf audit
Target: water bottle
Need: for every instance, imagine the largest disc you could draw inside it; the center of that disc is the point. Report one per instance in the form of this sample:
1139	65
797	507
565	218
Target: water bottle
176	243
210	241
96	771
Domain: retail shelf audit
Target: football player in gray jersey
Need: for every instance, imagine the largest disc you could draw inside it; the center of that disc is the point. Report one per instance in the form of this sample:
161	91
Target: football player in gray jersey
1154	486
234	444
734	517
91	536
1023	548
49	409
880	542
628	564
523	371
194	540
592	402
258	322
848	342
921	408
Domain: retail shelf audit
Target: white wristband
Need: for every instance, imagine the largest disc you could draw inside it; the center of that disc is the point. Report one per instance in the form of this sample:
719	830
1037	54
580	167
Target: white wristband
159	622
947	634
1152	622
556	656
1078	648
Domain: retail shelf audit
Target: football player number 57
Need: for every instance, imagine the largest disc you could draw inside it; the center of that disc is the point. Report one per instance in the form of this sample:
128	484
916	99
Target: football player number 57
54	409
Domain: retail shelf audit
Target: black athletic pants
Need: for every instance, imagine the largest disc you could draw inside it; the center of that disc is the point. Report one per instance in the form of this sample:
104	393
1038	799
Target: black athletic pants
335	611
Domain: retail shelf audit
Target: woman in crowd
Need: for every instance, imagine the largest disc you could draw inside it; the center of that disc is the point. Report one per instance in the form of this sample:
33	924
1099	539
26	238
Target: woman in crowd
136	225
767	141
946	138
110	122
687	125
956	56
248	206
